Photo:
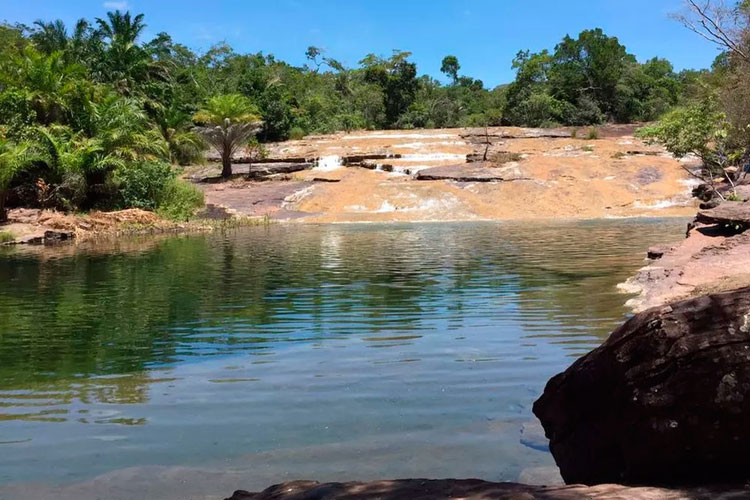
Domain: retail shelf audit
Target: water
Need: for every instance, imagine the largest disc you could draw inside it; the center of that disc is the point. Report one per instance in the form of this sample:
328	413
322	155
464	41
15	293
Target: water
216	362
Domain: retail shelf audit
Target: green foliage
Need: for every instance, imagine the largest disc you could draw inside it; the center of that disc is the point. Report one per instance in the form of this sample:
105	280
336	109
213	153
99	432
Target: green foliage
699	128
450	67
296	133
593	134
589	80
142	184
179	200
6	237
228	122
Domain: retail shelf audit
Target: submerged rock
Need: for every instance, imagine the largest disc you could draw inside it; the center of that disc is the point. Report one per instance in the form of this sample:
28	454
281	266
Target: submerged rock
474	489
665	400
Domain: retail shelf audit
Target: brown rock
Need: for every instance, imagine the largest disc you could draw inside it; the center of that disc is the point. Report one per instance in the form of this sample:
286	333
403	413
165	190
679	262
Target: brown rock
472	172
474	489
728	213
272	168
665	400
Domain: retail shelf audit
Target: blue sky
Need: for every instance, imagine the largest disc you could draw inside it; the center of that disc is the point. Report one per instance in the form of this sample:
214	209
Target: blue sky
483	34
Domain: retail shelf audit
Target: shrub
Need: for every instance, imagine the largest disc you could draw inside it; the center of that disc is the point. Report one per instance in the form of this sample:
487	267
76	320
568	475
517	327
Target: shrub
504	157
6	237
296	133
593	134
179	200
142	184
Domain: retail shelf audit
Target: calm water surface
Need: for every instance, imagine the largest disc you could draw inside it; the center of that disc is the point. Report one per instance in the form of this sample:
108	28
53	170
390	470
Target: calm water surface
329	352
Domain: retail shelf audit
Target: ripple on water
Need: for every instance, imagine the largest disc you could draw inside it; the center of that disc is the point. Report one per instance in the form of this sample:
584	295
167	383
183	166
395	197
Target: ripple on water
331	351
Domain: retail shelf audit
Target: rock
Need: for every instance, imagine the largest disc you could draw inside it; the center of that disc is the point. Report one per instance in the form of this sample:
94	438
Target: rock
541	476
704	192
376	165
712	203
56	237
367	160
272	168
482	136
665	400
472	172
474	489
657	251
729	213
648	175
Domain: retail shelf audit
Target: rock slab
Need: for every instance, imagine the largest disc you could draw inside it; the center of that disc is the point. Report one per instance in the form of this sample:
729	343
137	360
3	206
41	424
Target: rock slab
472	172
665	400
474	489
728	213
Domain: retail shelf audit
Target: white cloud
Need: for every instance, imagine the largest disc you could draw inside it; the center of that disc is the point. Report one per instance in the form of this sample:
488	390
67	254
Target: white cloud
116	5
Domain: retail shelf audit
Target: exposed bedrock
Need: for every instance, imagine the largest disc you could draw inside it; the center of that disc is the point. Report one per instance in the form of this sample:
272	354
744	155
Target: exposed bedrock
470	172
664	401
474	489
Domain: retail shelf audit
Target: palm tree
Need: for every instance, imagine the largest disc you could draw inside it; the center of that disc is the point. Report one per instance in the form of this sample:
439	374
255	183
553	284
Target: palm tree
12	162
125	62
51	36
185	145
228	122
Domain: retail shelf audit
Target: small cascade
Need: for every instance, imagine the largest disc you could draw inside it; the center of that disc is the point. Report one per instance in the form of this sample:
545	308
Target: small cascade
328	163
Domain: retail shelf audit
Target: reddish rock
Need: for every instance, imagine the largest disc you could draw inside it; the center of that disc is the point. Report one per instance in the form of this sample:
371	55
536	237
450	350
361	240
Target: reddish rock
665	400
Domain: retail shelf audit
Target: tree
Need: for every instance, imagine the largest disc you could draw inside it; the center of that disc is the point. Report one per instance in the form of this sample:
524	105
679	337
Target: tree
12	161
228	122
700	129
724	25
450	67
124	63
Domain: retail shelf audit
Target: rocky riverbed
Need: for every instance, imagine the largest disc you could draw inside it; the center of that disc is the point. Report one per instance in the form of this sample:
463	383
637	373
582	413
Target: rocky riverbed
456	174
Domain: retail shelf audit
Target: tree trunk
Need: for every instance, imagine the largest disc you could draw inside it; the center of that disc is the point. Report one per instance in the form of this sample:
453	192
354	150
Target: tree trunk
226	165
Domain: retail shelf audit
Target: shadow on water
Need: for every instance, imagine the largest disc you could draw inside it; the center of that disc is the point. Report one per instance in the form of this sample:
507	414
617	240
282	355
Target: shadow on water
295	338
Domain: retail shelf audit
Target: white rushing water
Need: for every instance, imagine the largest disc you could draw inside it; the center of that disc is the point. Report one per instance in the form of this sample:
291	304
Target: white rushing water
328	163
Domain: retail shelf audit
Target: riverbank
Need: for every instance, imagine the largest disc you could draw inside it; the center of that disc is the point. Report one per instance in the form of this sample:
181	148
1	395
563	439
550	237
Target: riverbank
474	489
714	257
456	175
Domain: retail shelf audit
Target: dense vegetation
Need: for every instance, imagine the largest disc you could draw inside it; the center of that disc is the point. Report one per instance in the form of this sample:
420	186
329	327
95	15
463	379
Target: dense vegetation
714	122
93	117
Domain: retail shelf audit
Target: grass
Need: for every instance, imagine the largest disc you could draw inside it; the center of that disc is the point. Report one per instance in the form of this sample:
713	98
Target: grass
6	237
619	155
593	134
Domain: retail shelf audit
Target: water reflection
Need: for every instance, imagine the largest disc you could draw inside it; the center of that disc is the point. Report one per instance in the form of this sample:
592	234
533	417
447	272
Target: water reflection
330	334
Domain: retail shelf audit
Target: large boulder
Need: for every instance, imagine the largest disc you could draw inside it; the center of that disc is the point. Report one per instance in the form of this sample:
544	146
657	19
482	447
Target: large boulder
665	400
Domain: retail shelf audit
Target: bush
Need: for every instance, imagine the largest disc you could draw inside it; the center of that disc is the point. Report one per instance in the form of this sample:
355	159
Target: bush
593	134
142	184
179	200
6	237
296	133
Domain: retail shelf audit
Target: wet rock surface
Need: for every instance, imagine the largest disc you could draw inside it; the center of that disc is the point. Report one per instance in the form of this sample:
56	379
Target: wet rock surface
665	400
474	489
